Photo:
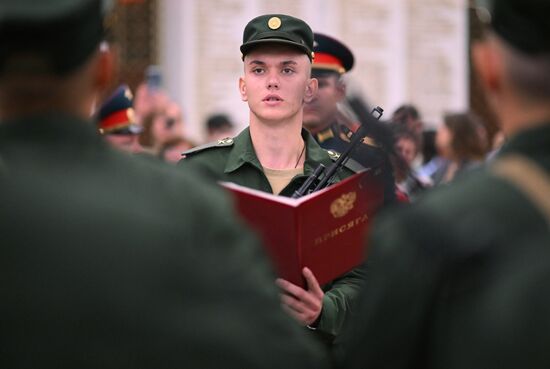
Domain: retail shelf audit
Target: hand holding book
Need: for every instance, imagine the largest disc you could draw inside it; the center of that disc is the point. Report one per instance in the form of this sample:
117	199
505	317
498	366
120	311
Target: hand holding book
304	305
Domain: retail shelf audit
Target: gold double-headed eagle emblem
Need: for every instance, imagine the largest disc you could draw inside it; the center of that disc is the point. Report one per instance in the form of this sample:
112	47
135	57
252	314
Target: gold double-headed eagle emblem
342	205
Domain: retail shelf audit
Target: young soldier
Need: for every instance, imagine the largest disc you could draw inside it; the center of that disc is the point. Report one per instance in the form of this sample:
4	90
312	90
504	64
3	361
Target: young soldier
274	154
97	269
462	279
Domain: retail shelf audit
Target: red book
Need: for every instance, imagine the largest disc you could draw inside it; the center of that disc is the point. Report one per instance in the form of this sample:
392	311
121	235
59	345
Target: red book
324	231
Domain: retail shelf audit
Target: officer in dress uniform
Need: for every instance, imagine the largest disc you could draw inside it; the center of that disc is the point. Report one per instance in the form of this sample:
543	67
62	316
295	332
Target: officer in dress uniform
321	115
275	154
462	278
116	121
97	268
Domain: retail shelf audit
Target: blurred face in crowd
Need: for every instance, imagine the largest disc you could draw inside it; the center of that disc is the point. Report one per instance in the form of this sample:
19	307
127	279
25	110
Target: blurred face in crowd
168	125
415	126
321	111
124	142
443	141
147	101
276	83
412	124
406	147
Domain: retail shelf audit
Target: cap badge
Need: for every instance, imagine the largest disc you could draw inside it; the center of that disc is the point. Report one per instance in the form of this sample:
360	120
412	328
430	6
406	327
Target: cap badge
274	22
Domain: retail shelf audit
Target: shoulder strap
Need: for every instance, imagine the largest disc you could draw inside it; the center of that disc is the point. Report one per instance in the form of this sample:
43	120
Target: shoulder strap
528	177
225	142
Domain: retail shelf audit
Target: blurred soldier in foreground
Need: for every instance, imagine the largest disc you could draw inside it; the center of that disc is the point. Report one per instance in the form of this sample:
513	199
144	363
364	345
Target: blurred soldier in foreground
462	279
97	270
117	122
323	119
274	154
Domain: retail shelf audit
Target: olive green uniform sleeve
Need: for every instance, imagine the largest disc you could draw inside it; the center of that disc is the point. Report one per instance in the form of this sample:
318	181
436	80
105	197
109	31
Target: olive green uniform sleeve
340	300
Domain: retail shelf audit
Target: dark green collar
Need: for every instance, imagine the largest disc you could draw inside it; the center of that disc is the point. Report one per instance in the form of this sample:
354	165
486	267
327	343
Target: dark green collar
53	127
315	154
528	141
243	152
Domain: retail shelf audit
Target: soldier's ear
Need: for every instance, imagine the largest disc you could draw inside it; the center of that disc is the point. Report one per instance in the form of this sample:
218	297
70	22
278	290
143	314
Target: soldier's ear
242	89
311	89
488	65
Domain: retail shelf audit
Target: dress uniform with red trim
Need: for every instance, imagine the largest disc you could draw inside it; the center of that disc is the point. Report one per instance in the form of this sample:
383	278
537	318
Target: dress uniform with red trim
333	58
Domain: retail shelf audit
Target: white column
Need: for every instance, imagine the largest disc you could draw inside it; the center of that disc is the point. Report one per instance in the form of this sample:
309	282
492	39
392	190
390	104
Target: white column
177	45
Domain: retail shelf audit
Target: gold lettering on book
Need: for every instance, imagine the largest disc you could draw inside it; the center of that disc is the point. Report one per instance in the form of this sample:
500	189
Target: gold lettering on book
341	229
343	204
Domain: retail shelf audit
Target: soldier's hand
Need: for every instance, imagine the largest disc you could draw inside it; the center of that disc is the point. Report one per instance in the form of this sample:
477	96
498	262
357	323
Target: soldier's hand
304	306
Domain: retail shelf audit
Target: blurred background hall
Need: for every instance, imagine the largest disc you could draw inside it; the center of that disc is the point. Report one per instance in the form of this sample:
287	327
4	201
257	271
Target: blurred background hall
181	60
407	51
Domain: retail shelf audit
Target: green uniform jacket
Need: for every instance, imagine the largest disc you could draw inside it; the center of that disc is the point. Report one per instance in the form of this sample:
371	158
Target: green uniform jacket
234	160
112	261
461	279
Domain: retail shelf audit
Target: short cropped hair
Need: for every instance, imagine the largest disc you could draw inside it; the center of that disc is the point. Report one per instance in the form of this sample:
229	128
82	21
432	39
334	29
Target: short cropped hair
529	74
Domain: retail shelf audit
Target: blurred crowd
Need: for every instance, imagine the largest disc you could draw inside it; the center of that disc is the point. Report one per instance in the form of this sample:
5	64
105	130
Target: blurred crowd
421	158
151	123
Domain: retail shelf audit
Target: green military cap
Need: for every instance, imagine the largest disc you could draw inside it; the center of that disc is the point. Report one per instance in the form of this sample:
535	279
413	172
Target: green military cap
52	36
524	24
279	29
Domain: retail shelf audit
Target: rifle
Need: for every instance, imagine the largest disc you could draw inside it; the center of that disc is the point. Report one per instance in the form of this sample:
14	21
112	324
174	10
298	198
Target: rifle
315	182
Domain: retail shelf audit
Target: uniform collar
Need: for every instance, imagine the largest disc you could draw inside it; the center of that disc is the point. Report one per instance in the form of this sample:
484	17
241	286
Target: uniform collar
54	128
528	141
243	152
315	155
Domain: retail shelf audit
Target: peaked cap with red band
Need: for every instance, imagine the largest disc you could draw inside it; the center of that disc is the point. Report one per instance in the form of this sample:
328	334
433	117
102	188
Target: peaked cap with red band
331	54
117	113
